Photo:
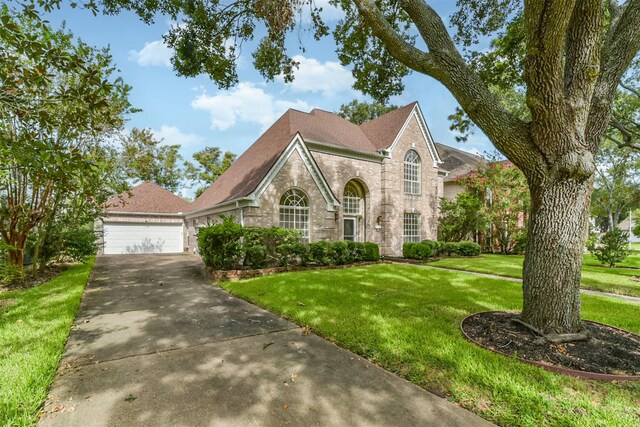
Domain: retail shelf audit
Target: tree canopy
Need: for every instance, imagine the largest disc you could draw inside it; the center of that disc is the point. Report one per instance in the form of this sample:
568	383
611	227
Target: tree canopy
60	99
359	112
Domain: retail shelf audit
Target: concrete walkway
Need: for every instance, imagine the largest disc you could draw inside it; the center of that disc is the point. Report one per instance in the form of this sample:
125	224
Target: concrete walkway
515	279
154	344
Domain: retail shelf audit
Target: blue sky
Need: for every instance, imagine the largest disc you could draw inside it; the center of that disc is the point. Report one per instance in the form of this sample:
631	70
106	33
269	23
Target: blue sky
192	112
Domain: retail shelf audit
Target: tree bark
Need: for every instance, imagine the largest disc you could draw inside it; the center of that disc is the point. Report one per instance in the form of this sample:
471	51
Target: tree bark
558	228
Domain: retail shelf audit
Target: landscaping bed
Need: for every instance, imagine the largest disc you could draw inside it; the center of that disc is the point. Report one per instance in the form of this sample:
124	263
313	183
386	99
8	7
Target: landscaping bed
248	273
608	350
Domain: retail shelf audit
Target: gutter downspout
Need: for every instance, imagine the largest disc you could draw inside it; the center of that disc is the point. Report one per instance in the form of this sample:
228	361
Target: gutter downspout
241	213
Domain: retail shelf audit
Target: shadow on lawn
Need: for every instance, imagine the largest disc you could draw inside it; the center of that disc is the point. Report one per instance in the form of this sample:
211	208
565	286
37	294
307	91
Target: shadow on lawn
236	364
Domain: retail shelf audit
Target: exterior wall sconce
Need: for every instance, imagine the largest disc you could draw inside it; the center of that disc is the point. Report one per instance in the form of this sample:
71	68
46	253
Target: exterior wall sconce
378	226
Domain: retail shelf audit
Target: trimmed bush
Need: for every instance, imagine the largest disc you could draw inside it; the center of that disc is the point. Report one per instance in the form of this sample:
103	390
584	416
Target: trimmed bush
450	248
466	248
371	252
322	253
409	250
226	245
220	244
255	256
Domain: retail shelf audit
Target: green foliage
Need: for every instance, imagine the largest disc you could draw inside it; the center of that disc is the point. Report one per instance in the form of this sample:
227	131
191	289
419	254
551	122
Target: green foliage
371	252
461	217
255	256
636	230
211	163
226	245
451	248
60	100
79	244
617	185
220	244
467	248
322	252
360	112
33	332
613	247
144	158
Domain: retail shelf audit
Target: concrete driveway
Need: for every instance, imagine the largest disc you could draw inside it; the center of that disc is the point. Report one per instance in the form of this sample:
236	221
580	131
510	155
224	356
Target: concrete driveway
155	344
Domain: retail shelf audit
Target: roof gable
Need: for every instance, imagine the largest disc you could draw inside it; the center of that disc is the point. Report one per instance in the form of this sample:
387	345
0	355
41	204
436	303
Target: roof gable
147	197
383	130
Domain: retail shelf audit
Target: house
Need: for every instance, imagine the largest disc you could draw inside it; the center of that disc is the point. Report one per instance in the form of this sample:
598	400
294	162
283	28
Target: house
628	225
318	173
458	164
147	219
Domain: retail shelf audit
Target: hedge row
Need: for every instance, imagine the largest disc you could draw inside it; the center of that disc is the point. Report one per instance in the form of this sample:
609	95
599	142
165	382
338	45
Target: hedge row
431	248
228	246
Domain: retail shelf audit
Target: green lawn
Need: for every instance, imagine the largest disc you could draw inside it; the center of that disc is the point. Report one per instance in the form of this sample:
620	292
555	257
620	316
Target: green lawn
406	319
595	276
33	330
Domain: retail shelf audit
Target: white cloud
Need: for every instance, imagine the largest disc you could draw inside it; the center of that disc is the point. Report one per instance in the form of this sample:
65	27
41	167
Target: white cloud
329	78
246	103
171	135
154	53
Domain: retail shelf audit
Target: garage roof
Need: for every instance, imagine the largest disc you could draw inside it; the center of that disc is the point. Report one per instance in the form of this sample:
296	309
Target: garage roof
147	197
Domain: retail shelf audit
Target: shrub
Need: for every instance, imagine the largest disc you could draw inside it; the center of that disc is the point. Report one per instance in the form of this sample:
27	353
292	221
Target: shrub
342	253
371	252
409	250
357	250
255	256
220	245
79	244
271	238
450	248
636	230
466	248
613	247
322	253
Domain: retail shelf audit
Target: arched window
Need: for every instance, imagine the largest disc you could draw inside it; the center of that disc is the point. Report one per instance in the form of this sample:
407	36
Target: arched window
412	173
352	199
294	212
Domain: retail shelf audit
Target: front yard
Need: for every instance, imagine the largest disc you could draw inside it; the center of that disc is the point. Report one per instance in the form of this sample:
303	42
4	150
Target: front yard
34	326
595	276
406	319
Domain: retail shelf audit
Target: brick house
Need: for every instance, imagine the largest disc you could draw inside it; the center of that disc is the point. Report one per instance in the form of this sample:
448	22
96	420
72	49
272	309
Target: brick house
332	180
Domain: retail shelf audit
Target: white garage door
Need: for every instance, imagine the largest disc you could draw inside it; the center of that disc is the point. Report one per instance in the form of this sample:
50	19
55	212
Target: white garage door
142	238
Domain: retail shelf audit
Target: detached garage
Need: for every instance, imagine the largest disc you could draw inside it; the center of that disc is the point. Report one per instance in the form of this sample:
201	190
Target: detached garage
147	219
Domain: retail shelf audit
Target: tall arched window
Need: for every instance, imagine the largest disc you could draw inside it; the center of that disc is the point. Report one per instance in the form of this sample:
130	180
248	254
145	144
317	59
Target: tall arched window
352	199
294	212
412	172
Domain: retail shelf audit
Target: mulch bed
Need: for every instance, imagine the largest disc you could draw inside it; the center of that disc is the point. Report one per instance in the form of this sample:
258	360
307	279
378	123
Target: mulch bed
31	281
608	351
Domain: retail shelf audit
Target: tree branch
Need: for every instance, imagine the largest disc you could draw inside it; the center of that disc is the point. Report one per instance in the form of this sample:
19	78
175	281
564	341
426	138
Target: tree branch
621	45
445	64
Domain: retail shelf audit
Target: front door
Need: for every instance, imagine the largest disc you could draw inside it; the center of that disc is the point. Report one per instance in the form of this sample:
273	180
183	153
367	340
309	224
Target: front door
350	229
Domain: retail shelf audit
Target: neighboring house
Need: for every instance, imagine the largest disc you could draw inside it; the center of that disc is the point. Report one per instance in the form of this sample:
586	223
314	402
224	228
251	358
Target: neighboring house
458	163
327	177
147	219
627	225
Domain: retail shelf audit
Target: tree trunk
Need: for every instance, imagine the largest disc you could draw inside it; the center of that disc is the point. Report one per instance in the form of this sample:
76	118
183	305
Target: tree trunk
16	258
558	229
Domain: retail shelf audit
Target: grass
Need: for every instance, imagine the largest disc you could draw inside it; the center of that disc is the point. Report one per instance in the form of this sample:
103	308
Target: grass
595	276
34	327
406	319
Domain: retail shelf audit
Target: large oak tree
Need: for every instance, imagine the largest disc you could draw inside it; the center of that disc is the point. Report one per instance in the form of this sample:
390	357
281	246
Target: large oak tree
576	53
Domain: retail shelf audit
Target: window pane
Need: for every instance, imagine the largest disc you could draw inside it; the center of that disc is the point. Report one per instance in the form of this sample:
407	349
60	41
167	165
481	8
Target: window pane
294	212
412	227
412	173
